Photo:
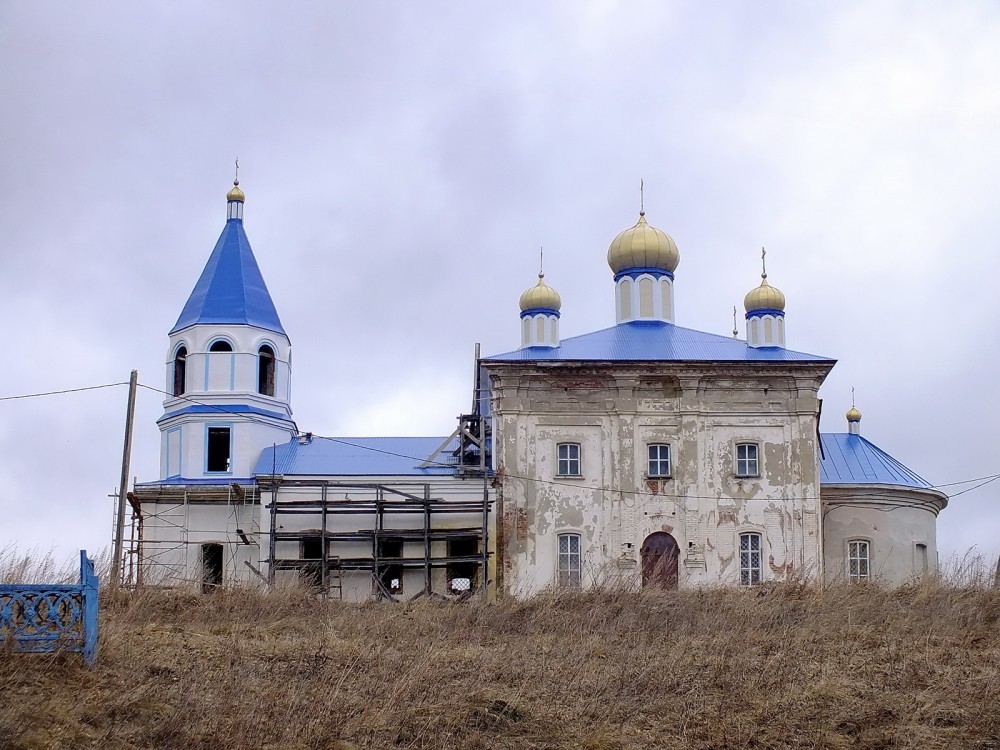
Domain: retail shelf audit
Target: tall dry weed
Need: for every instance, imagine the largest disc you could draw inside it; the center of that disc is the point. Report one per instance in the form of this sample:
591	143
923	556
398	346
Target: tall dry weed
777	666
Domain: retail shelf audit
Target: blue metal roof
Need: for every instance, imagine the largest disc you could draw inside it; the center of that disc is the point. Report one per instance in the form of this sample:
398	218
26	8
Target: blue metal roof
850	459
357	456
654	341
222	481
231	288
222	411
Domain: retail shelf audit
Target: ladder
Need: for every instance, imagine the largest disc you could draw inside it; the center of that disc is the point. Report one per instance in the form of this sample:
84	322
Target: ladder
333	580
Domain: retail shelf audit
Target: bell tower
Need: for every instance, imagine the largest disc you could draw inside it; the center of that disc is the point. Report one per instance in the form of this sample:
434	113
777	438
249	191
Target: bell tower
228	369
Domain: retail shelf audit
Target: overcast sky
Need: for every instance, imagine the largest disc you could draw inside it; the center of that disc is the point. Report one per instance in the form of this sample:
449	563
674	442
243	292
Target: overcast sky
403	162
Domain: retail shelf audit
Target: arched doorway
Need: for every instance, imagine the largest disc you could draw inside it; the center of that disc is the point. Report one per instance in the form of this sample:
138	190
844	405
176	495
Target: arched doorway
659	561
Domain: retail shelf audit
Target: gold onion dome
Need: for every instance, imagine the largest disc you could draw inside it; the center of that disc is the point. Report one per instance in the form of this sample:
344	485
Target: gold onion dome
643	246
853	415
540	296
236	194
764	297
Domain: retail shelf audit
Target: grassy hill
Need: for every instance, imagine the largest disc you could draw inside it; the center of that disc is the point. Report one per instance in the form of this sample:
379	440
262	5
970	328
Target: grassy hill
772	667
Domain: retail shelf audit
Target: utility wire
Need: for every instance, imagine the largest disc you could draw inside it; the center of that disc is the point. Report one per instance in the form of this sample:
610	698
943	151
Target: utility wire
537	480
57	393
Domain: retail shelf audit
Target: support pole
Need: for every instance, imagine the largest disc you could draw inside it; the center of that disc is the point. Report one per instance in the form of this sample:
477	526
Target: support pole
123	485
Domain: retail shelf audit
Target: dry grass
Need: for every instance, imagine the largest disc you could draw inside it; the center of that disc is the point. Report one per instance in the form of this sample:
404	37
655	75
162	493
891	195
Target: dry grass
776	667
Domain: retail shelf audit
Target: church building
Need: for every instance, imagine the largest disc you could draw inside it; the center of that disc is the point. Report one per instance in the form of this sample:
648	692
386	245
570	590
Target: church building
644	454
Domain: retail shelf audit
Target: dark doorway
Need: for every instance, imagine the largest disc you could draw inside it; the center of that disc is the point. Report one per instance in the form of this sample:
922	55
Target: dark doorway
659	561
462	575
311	574
211	567
391	574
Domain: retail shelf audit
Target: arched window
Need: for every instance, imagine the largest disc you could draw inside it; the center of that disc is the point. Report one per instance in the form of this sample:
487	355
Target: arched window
221	346
265	370
180	371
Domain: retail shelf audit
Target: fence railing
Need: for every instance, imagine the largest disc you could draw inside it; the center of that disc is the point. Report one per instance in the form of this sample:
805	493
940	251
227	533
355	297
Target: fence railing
40	618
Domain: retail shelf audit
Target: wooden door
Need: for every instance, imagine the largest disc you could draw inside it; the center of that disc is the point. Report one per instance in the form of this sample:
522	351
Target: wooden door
659	554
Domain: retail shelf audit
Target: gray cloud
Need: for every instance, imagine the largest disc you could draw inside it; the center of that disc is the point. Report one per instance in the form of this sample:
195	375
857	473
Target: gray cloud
403	164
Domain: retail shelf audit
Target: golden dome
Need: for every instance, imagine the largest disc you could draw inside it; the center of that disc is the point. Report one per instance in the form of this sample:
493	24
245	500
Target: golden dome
540	296
853	415
764	297
236	194
643	246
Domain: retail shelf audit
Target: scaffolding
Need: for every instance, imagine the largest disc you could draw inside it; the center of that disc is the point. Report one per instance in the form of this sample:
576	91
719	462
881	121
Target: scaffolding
383	510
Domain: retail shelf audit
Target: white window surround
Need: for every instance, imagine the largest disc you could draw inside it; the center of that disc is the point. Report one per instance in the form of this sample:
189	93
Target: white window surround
569	564
747	463
568	460
658	461
751	550
859	560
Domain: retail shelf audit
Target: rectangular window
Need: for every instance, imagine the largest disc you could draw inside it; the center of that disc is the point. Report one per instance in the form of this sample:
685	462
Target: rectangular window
659	460
746	460
219	449
569	561
858	561
750	559
569	459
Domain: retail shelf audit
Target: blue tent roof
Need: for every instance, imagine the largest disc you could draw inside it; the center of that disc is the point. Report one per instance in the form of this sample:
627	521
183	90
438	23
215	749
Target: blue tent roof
357	456
654	341
231	289
850	459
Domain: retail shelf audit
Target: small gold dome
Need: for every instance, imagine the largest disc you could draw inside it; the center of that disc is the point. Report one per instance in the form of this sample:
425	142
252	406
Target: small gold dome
236	194
540	296
764	297
643	246
853	415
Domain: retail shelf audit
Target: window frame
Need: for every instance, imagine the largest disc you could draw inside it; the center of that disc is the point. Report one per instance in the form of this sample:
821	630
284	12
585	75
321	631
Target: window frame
854	556
267	370
746	473
208	443
659	460
179	372
568	574
751	574
569	460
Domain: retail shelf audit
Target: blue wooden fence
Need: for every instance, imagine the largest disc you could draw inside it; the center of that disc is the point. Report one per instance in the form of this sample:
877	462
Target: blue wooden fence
52	617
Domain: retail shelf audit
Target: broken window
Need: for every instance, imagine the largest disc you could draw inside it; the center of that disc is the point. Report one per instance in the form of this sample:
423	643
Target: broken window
921	558
746	460
311	574
568	459
221	346
211	567
265	370
389	573
219	449
462	574
750	559
180	371
659	460
569	561
858	560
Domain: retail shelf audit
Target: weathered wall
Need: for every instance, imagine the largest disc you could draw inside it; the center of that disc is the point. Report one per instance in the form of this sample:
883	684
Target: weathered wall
175	529
893	520
358	585
613	412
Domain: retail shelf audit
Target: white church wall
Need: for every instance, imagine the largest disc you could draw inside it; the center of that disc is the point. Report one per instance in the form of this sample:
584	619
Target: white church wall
899	524
614	505
358	585
174	532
